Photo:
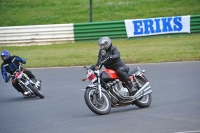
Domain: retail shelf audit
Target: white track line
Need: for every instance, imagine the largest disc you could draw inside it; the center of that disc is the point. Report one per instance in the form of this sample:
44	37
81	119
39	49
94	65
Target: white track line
126	64
197	131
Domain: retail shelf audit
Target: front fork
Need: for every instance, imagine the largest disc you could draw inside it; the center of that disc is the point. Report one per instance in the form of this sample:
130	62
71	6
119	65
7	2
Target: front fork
24	85
27	82
99	85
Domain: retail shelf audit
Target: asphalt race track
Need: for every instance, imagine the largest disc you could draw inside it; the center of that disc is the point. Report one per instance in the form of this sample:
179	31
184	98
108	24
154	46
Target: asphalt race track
175	104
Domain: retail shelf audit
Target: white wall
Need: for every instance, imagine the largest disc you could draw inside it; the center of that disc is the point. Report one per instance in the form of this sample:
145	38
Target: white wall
36	34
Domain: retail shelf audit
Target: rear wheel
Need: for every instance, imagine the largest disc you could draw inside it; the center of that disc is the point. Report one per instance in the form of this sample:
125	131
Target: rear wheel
36	91
144	101
100	106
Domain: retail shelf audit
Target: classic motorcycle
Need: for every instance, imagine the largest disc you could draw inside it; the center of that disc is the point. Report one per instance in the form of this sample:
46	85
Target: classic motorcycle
107	90
32	88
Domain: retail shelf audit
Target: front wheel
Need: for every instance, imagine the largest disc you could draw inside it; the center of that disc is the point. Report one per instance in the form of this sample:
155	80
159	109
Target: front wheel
35	91
100	106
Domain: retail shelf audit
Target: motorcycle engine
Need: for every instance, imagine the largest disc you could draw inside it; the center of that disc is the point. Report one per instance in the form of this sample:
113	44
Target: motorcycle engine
121	89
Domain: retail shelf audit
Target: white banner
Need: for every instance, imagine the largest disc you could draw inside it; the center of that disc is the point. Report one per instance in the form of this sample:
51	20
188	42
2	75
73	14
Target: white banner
155	26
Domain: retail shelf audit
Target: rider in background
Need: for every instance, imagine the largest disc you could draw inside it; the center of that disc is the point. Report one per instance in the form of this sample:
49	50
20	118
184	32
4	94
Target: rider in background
11	64
107	50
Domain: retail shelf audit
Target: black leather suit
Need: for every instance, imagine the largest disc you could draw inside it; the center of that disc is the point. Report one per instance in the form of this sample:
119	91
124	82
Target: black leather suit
114	63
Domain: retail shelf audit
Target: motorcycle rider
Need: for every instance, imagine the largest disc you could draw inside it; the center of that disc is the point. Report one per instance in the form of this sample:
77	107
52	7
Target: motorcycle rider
107	50
11	64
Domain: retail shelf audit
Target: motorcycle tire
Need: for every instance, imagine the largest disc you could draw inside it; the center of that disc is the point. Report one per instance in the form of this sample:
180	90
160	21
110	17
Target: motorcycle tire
144	101
35	91
98	106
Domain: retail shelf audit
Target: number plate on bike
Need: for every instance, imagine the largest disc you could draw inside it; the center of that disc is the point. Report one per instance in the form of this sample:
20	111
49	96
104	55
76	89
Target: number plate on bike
91	76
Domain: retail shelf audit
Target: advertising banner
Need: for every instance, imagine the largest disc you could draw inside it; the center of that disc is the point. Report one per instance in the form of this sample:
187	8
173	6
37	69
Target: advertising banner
156	26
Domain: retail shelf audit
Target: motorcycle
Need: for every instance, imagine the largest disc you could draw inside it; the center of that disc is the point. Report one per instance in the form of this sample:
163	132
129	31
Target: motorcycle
31	87
107	90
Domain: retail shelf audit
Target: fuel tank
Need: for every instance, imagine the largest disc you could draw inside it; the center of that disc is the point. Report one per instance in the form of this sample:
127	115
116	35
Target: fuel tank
108	75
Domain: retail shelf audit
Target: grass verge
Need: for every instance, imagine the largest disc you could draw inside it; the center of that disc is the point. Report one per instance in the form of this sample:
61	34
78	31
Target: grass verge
143	50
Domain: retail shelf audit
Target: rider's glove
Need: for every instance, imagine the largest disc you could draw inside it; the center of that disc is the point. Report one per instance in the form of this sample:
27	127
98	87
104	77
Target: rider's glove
97	68
7	79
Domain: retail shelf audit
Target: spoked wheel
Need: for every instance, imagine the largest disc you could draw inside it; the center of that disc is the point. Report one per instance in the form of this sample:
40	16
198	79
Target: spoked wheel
100	106
144	101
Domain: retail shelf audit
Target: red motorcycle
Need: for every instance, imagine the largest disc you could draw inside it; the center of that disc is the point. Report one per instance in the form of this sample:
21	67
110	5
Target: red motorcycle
30	87
107	90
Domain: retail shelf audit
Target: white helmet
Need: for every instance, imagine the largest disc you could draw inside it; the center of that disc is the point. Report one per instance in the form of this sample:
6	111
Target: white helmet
104	43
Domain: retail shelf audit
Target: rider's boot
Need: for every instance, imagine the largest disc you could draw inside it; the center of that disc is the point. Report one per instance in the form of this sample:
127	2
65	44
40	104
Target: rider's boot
37	83
26	94
130	86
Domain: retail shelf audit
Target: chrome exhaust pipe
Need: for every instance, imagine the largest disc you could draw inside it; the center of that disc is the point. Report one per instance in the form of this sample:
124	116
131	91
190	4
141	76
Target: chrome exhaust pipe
128	98
145	90
142	90
146	93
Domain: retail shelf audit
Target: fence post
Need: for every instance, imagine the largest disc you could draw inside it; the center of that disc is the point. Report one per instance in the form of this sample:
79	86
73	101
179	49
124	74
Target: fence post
90	10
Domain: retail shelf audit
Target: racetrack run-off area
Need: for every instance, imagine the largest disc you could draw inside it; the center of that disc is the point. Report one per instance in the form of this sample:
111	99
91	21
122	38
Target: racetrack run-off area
174	109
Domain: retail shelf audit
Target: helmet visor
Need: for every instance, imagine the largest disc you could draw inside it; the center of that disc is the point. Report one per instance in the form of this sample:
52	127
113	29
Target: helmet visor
4	57
101	46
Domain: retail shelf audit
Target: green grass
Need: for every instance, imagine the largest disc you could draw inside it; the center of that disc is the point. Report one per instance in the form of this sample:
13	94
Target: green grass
36	12
143	50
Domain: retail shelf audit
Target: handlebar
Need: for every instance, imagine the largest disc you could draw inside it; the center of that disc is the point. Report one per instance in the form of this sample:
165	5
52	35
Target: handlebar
94	68
97	67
